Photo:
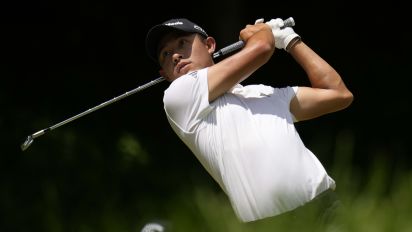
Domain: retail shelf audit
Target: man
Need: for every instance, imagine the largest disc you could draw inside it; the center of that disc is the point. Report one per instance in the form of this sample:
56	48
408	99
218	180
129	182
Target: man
244	135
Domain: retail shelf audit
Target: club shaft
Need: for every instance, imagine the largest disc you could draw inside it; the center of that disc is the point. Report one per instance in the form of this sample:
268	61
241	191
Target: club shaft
106	103
233	47
228	49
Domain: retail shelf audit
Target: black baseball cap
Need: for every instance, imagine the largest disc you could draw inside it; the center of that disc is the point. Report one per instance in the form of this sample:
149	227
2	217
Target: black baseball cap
156	33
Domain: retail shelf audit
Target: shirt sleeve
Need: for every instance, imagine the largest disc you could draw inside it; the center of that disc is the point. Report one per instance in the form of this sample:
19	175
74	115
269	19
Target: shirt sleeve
186	101
287	94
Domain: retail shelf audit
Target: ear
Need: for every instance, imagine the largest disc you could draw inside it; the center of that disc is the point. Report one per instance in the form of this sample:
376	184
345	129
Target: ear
211	44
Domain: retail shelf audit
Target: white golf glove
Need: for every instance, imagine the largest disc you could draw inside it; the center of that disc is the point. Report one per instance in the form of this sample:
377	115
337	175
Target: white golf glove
283	36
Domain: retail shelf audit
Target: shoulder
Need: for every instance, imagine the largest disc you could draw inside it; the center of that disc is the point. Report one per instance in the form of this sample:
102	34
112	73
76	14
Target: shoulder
187	81
186	88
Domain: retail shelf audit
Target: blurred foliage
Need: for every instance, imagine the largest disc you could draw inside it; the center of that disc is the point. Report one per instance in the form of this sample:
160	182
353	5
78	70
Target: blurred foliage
92	189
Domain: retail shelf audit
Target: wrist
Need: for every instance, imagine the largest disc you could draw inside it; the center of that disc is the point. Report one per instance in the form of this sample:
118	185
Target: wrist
293	43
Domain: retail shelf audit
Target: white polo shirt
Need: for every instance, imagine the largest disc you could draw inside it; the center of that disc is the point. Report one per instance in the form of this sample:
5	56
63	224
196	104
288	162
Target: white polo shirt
247	141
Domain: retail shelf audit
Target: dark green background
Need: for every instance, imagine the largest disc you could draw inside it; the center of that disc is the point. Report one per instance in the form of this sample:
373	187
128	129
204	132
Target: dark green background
60	58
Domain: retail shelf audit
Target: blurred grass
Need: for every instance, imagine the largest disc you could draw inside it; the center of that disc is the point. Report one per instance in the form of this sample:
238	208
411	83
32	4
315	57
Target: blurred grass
121	190
364	210
204	209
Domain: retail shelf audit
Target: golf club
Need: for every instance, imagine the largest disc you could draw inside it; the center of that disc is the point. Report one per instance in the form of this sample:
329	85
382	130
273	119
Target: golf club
224	51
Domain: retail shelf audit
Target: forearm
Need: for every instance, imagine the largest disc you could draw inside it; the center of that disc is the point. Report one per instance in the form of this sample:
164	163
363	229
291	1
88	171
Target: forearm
235	68
320	73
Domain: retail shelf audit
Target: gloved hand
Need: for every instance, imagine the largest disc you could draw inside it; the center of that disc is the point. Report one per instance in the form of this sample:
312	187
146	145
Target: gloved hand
283	36
275	23
261	20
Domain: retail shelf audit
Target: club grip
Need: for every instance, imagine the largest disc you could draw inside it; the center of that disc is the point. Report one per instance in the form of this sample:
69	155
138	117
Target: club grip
289	22
228	49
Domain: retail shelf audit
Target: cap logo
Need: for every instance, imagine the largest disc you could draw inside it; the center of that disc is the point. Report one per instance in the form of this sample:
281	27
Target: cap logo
199	28
174	23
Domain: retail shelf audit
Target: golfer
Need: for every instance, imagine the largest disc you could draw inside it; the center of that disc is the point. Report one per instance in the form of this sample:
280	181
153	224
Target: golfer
244	136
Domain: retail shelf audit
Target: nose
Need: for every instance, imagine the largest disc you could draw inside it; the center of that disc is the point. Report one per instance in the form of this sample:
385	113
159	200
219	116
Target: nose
176	58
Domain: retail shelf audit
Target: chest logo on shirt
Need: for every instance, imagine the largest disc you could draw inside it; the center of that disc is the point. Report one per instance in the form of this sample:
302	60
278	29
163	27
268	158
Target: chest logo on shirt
193	74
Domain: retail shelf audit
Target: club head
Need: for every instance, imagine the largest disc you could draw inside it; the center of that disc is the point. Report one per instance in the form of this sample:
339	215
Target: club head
27	143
